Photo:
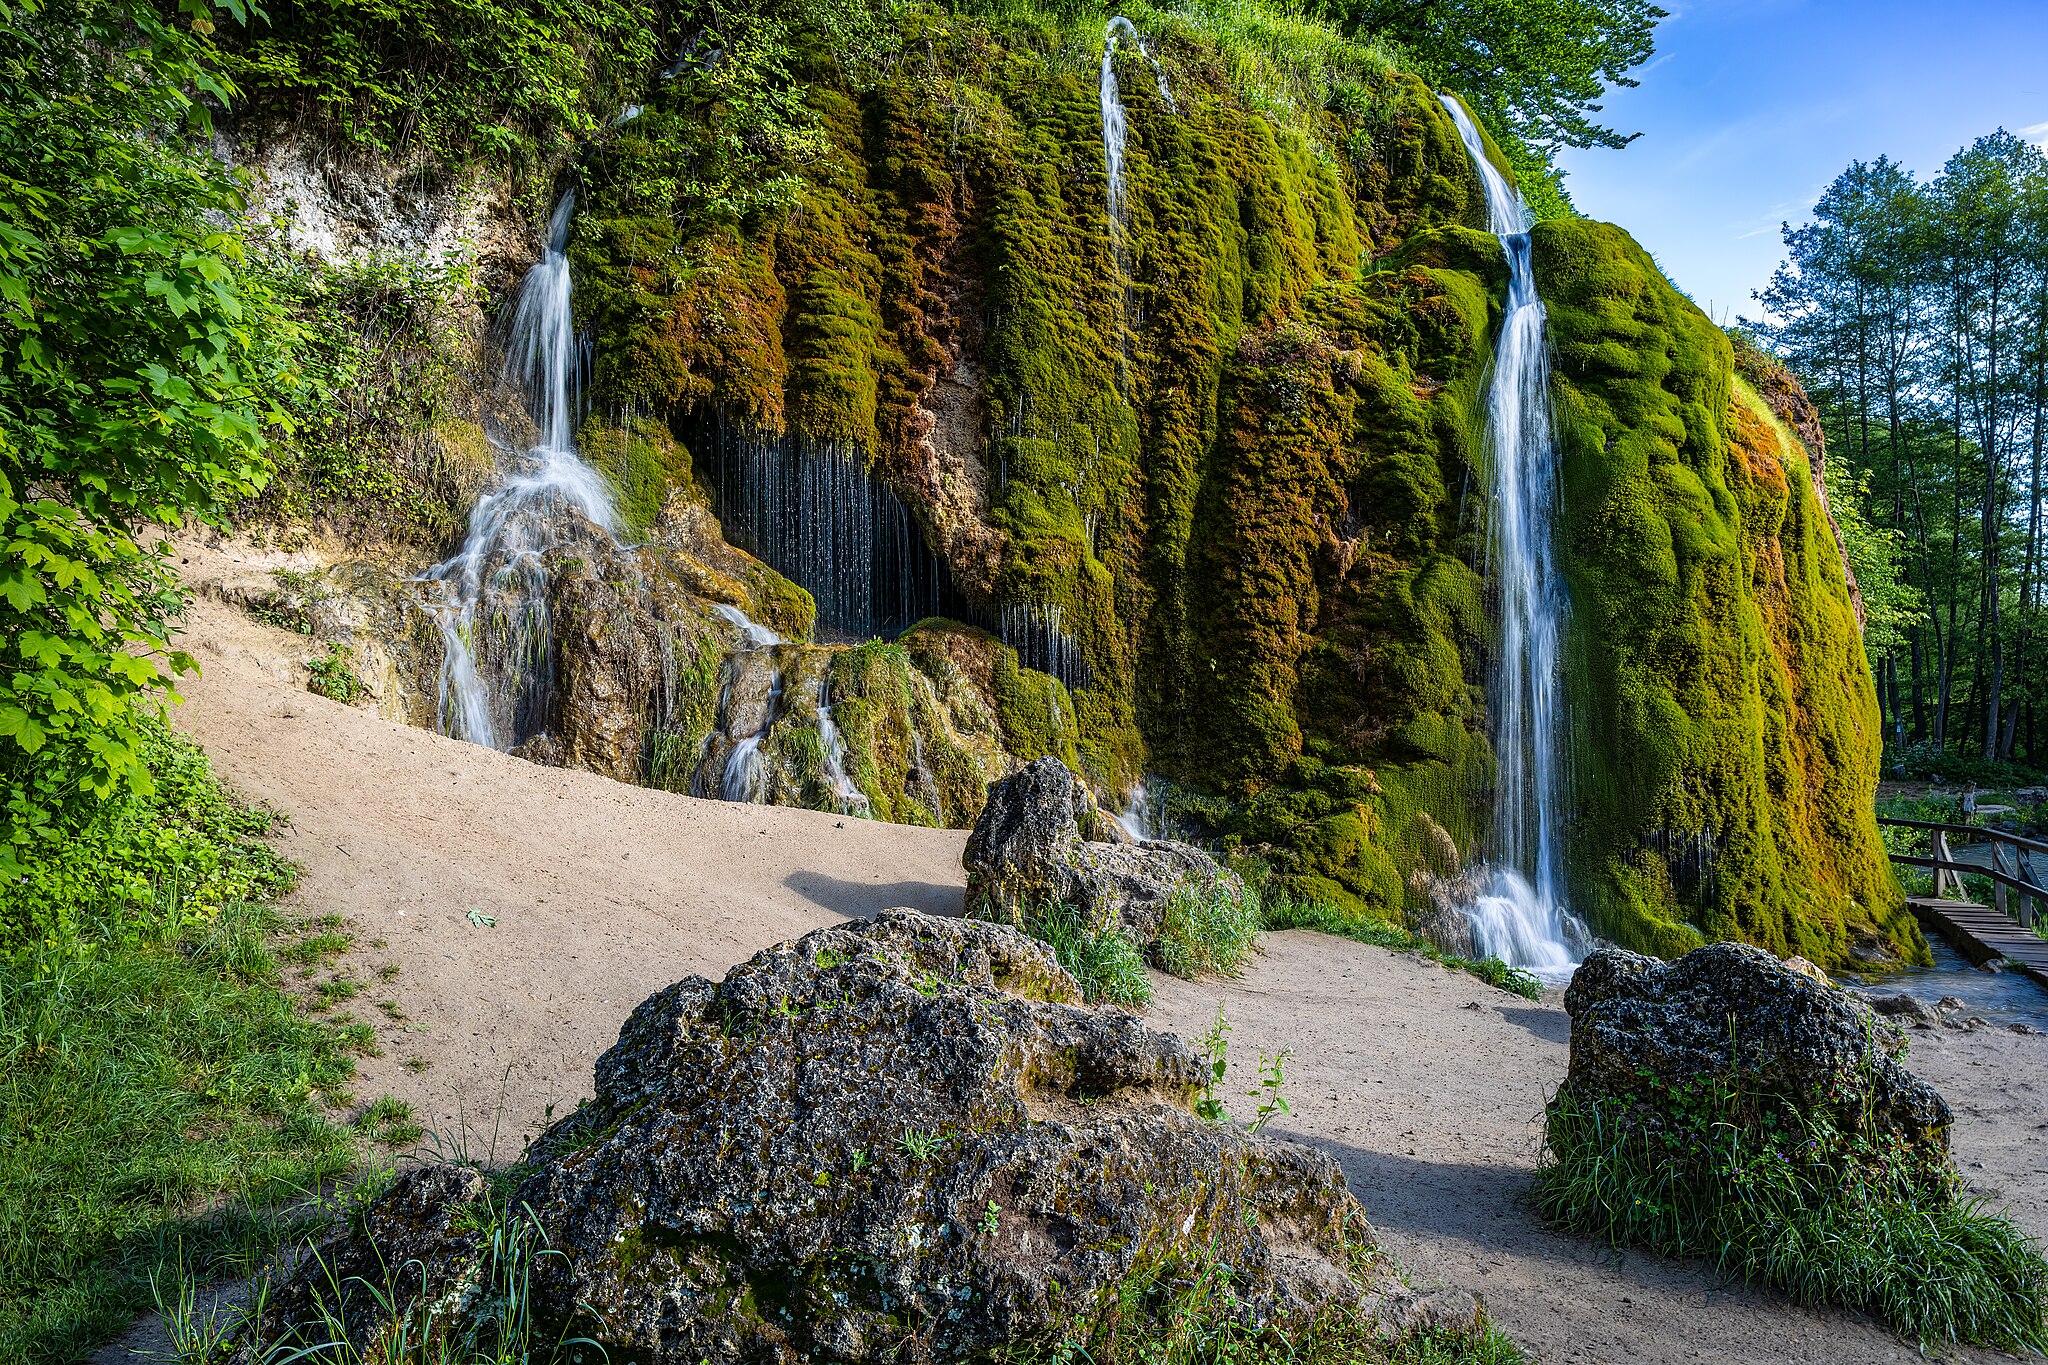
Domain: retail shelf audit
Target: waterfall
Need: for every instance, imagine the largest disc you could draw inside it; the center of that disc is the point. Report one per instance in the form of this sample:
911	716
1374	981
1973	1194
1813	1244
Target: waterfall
1038	634
1520	916
1116	130
852	801
1136	816
814	512
495	690
745	776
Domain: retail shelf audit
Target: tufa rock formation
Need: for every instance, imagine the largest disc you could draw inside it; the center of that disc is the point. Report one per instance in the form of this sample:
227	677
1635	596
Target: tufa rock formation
1198	467
1732	1018
902	1139
1028	853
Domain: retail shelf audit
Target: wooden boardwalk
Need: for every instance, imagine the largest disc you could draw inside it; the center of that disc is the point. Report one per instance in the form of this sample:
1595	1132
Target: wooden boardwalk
1981	933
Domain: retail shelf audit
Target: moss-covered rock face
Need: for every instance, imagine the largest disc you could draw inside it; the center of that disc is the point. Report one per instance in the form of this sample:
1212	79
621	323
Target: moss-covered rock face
1206	478
1726	730
1210	458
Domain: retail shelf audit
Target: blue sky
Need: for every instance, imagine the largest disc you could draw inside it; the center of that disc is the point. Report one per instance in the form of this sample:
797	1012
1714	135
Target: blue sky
1751	107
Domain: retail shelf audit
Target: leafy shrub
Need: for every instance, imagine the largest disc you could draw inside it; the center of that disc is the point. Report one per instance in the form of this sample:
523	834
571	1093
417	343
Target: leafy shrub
1823	1215
334	674
142	364
144	861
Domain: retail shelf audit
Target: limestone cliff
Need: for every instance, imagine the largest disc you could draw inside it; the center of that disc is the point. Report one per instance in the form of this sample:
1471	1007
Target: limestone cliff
1195	479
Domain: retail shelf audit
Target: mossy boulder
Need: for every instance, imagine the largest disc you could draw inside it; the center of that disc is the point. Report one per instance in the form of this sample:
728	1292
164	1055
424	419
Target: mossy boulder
971	1164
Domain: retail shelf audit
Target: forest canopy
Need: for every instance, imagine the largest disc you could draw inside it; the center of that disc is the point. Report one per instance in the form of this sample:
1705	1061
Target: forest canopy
1916	313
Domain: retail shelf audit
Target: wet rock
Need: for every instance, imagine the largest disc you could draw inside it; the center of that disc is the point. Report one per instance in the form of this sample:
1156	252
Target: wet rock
1442	911
901	1139
1034	846
1905	1009
1734	1016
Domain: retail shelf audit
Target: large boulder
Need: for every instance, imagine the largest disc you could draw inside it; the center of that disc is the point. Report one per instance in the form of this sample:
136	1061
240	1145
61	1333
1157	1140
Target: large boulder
1031	850
903	1139
1648	1034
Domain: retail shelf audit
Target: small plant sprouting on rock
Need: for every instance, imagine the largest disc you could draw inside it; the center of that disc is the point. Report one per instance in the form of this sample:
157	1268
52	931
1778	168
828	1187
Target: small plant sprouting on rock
919	1145
1272	1076
860	1160
1215	1063
334	676
991	1217
1215	1047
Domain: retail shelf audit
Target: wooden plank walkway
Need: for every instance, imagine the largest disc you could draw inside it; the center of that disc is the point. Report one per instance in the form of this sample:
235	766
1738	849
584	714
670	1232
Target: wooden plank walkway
1980	933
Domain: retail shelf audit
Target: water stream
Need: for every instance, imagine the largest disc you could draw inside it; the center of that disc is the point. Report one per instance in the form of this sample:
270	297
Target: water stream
1520	915
489	599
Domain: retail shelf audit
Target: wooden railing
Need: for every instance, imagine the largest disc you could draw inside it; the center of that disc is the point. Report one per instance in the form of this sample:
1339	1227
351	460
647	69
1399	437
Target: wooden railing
2010	864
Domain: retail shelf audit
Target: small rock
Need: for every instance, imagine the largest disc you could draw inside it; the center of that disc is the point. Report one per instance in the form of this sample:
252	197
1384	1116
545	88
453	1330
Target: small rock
1907	1008
1030	849
1807	969
2026	1030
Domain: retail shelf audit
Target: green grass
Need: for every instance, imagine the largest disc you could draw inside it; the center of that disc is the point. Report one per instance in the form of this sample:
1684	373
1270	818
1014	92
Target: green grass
1108	965
162	1093
1820	1215
1208	930
150	1094
1292	914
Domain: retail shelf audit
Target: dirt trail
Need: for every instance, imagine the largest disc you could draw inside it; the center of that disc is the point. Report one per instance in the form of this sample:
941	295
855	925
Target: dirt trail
1426	1084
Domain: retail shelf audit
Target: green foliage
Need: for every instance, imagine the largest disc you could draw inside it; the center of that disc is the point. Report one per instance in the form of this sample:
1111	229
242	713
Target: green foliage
1281	913
1536	72
1916	314
1825	1216
334	674
385	363
143	861
445	81
150	1067
1108	965
139	364
1209	929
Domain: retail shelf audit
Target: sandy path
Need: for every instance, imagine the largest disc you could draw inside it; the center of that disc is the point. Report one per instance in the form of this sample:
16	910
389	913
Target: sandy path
1427	1084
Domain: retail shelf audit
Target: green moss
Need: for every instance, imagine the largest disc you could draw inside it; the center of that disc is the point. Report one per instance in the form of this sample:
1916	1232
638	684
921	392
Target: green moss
1724	704
644	462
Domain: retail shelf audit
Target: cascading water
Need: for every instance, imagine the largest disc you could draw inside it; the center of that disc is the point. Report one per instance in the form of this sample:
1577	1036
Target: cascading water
1038	634
813	511
852	801
1116	136
1136	816
495	691
1520	914
746	773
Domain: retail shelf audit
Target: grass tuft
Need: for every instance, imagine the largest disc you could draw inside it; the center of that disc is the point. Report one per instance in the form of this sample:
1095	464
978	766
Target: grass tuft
1823	1216
1209	930
1108	965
